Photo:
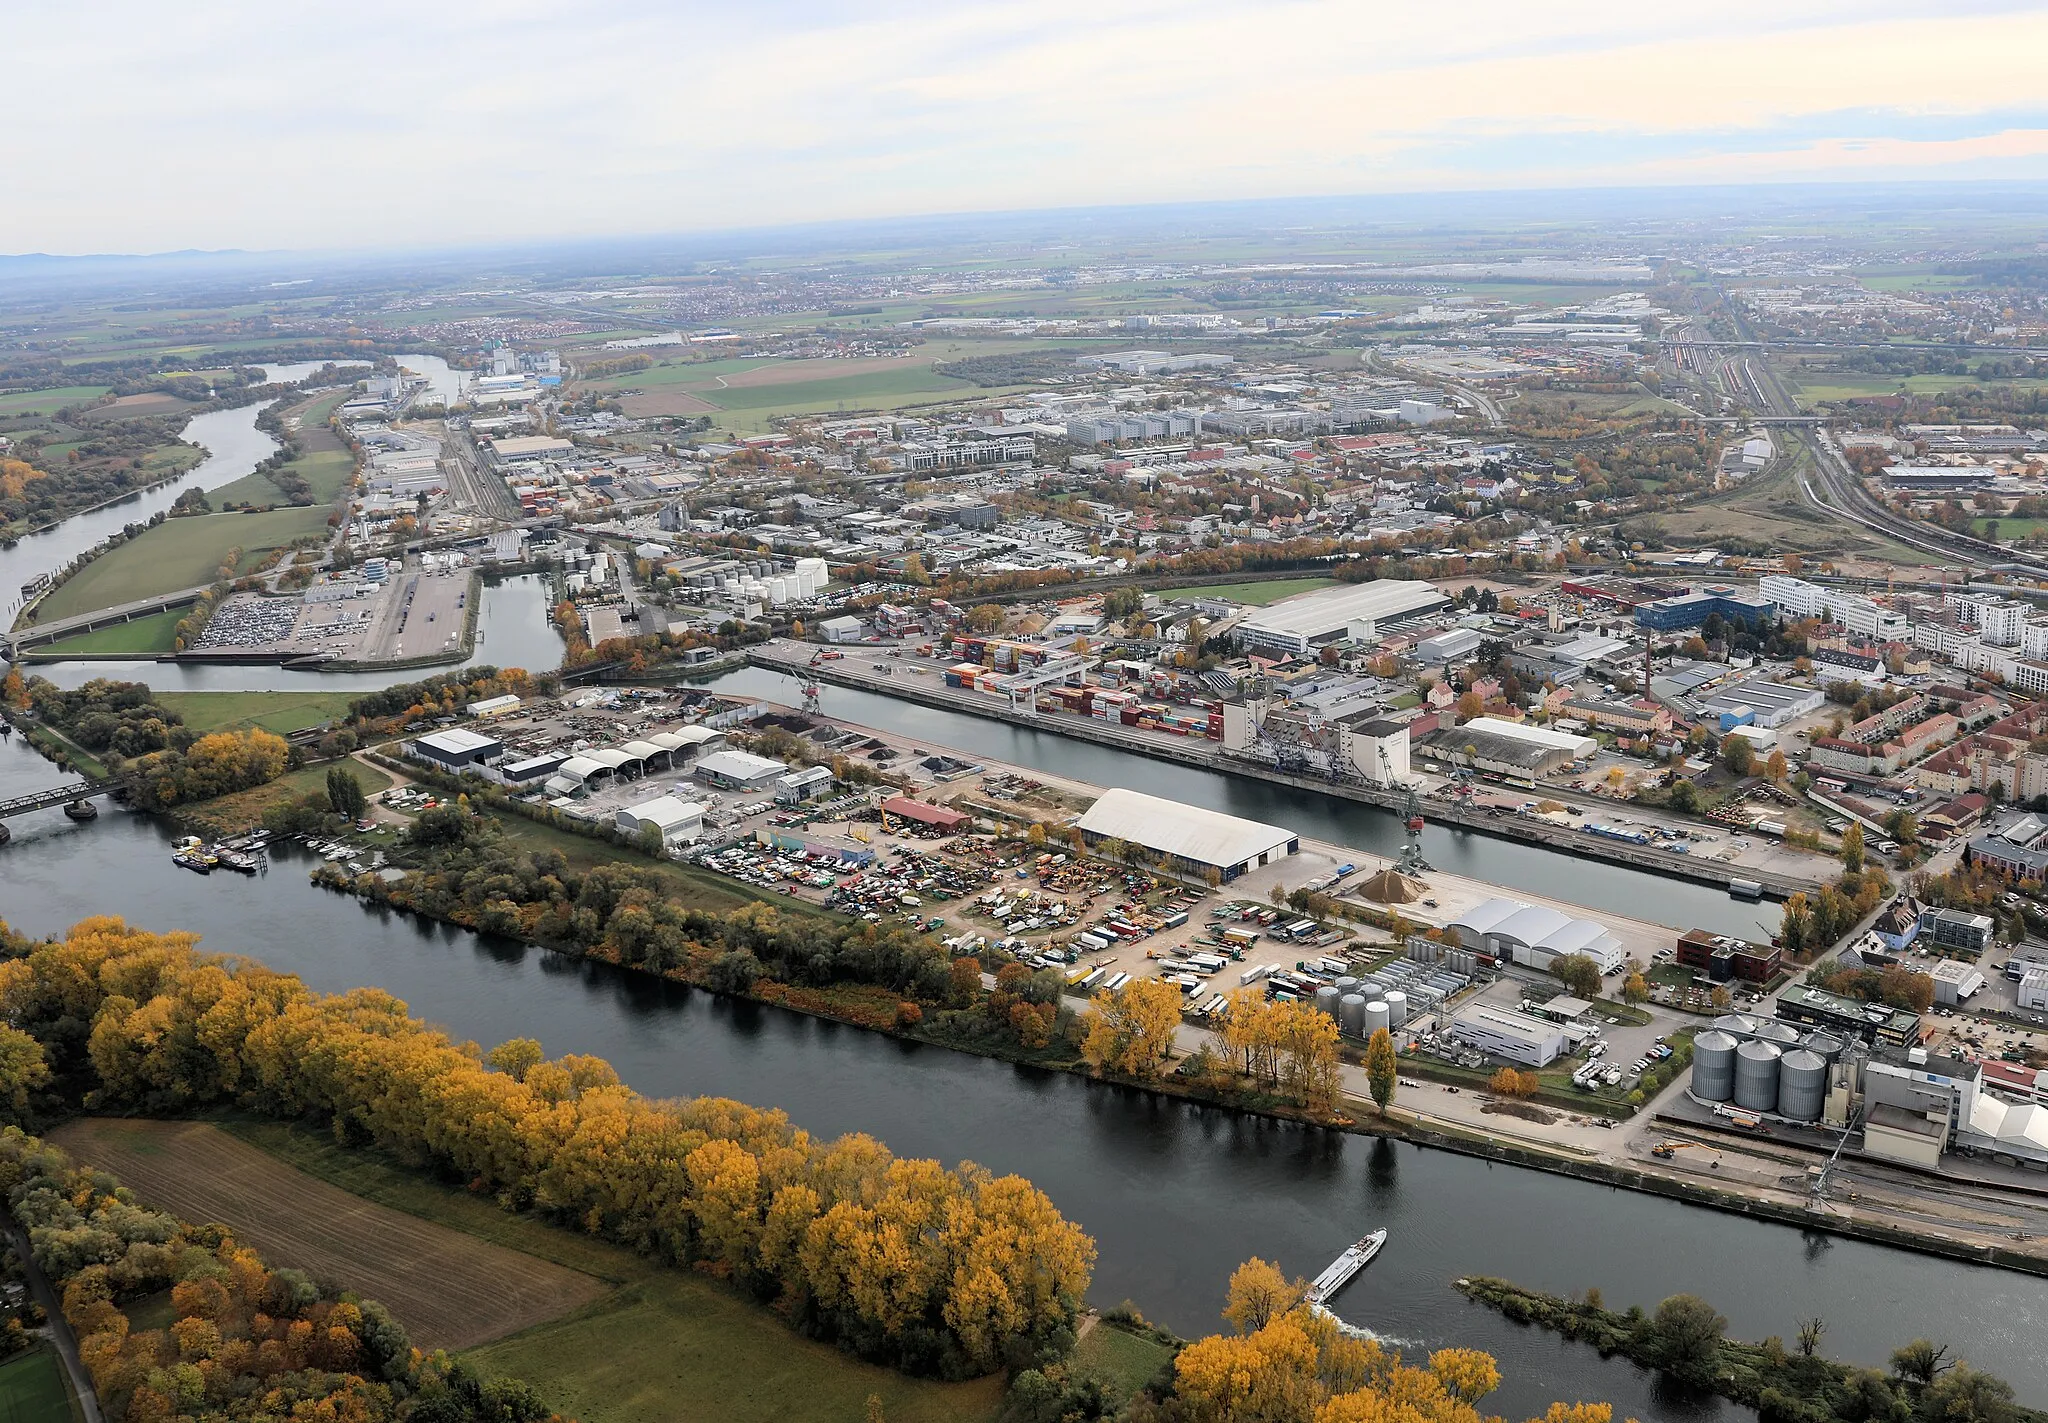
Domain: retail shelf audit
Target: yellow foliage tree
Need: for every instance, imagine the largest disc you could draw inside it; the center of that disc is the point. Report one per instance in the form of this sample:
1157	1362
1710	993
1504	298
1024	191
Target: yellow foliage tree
1131	1030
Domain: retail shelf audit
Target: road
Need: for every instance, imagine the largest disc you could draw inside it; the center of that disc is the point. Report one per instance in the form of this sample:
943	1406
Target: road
59	1328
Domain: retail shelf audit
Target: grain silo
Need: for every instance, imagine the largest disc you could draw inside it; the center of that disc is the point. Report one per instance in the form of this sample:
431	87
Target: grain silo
1713	1066
1802	1085
1756	1075
1783	1034
1739	1026
1825	1046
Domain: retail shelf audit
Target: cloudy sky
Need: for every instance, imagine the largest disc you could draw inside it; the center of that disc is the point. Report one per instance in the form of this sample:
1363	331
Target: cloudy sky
220	123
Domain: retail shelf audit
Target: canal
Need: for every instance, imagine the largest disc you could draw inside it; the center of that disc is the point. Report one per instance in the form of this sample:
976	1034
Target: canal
1175	1195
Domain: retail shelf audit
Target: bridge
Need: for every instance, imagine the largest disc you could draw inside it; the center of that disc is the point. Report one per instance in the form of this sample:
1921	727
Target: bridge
57	628
57	795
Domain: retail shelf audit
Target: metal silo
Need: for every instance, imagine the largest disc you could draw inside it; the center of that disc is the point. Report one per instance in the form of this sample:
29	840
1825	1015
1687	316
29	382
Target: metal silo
1739	1026
1802	1085
1783	1034
1347	984
1397	1008
1713	1066
1351	1014
1756	1076
1377	1017
1326	1001
1825	1046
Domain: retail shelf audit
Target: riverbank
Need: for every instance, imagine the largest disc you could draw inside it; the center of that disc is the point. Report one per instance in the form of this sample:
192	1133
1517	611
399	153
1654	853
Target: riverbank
794	659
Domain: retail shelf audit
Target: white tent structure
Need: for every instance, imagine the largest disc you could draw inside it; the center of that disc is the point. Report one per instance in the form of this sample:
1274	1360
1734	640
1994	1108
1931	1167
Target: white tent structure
1193	839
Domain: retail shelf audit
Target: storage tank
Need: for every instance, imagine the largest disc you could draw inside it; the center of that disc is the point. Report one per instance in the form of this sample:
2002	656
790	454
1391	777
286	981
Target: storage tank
1713	1066
778	591
1783	1034
1397	1008
1756	1075
1737	1025
1326	1001
1377	1017
1347	984
1351	1014
1802	1085
1825	1046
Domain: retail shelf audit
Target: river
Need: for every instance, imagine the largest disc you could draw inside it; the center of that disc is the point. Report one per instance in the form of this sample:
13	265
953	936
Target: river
1175	1195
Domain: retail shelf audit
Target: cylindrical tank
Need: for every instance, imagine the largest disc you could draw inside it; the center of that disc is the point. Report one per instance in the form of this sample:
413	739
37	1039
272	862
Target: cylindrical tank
1351	1013
1347	984
778	591
1756	1075
1802	1085
1783	1034
1737	1025
1326	1001
1713	1066
1397	1008
1825	1046
1377	1017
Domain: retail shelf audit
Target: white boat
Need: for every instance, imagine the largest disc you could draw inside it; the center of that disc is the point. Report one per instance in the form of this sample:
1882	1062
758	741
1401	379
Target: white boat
1340	1270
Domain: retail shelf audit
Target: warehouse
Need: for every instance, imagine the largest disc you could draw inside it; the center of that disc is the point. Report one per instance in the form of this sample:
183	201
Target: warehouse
1504	1033
1766	704
457	749
1533	935
1192	839
677	821
1509	748
1298	626
739	770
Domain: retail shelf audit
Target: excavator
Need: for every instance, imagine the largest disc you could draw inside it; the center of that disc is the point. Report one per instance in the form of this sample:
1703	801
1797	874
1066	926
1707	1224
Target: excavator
1666	1150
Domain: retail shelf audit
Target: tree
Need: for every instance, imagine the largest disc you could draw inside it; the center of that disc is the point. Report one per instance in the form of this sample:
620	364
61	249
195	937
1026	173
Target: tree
1921	1361
1810	1331
1775	765
1737	754
1510	1082
1118	604
1688	1333
1719	998
1470	706
1685	796
515	1057
23	1070
1381	1068
1578	973
1131	1030
1467	1373
985	617
1635	988
1260	1294
1852	848
1903	987
1966	1395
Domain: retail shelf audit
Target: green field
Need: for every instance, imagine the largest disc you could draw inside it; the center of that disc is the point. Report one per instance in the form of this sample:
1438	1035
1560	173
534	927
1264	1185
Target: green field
1257	595
1125	1360
2010	529
280	712
148	636
1849	385
326	464
33	1389
663	1345
47	402
178	553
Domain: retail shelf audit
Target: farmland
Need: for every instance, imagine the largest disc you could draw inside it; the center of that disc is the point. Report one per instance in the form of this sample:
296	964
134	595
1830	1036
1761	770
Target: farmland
178	553
449	1289
663	1345
46	402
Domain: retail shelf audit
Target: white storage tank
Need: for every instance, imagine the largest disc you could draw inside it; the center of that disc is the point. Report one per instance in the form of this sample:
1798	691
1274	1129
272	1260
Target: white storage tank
778	591
1802	1085
1377	1017
1326	1001
1713	1066
1397	1008
1756	1075
1351	1014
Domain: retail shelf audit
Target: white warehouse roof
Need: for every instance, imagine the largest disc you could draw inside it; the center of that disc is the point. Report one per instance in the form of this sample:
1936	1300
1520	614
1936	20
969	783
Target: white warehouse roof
1578	747
1315	614
664	813
1187	832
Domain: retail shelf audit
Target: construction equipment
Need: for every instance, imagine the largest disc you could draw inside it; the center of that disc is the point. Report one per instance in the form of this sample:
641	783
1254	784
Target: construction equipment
1665	1150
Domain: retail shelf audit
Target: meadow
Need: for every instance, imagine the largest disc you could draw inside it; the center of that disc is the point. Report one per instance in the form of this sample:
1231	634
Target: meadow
48	401
281	712
178	553
148	636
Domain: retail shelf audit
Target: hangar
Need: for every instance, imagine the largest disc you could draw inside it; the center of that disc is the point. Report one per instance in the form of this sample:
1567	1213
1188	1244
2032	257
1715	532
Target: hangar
1193	839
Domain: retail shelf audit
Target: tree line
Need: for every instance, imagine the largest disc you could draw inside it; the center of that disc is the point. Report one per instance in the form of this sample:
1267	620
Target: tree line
950	1272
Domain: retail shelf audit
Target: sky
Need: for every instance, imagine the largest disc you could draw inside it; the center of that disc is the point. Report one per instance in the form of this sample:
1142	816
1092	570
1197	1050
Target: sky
225	124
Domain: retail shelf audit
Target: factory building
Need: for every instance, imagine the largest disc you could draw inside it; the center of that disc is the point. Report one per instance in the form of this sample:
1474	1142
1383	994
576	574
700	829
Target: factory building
1192	839
1534	935
1298	626
1510	748
739	770
1504	1033
1872	1022
456	749
677	821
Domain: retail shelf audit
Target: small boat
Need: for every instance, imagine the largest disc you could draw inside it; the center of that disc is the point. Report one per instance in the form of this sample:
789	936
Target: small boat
236	861
187	860
82	810
5	833
1340	1270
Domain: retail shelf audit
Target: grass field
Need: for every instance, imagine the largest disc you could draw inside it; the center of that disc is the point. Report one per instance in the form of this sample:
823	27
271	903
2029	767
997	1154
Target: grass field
1257	595
178	553
238	811
280	712
663	1347
450	1289
33	1389
46	402
1128	1361
326	464
143	637
2010	529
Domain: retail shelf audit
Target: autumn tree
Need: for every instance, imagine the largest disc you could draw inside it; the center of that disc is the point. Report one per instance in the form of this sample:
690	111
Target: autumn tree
1635	988
1130	1029
1510	1082
1852	848
1381	1068
1259	1294
1578	973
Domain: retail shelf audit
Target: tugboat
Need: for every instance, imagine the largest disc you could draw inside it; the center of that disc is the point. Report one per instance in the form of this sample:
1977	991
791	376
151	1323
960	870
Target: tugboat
82	809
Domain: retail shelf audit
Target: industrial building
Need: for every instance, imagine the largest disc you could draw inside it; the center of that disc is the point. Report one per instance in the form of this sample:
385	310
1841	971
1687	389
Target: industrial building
739	770
1533	935
1298	626
1511	748
1722	958
1690	610
1957	930
1872	1022
811	783
456	749
677	821
1193	840
1766	704
1504	1033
